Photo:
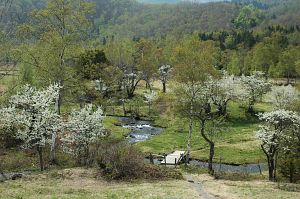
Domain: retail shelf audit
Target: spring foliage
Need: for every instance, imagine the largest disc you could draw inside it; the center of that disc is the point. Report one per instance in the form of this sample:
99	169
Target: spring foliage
84	128
31	110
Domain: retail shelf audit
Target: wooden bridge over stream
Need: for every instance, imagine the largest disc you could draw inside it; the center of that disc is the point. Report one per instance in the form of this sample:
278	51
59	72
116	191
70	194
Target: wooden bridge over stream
173	158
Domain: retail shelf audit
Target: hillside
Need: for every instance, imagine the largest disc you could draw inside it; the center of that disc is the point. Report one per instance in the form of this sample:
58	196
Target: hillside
128	18
177	1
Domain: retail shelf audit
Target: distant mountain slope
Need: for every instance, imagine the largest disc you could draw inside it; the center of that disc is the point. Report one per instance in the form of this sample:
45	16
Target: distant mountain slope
159	1
175	1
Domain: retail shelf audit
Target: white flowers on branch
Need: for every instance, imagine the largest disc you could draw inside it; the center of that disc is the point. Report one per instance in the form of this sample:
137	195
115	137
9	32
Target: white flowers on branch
283	97
31	111
164	73
150	98
224	90
254	87
84	127
279	128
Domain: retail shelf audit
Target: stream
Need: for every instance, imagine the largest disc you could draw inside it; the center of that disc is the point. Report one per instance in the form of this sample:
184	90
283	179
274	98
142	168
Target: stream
141	130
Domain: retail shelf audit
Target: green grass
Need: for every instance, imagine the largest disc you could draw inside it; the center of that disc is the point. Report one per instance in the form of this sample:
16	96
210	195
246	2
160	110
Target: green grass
236	145
116	131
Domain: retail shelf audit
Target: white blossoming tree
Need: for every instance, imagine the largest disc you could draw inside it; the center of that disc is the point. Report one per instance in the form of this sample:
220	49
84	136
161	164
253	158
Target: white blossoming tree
164	73
253	87
187	93
84	127
207	122
31	111
130	82
150	98
274	133
283	97
223	91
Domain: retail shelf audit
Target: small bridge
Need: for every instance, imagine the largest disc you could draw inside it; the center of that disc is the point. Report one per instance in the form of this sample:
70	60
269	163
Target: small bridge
173	158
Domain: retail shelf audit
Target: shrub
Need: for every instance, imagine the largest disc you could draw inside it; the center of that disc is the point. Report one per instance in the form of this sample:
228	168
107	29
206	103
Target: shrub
154	172
289	167
118	159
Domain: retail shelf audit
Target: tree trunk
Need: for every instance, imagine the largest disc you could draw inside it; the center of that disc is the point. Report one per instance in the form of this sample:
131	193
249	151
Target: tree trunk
40	153
53	159
222	110
164	87
124	108
250	109
271	163
211	156
188	147
211	146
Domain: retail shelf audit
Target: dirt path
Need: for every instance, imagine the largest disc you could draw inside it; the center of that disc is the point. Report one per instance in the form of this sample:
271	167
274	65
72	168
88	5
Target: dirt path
197	186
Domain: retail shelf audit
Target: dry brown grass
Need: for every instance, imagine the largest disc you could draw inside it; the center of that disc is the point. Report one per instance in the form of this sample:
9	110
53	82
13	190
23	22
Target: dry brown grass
256	189
84	184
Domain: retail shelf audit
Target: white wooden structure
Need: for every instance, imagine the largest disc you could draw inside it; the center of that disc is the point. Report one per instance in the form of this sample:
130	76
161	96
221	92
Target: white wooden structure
173	158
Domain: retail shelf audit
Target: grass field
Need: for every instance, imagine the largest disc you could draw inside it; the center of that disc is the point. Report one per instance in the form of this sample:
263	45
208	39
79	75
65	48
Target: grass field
237	144
84	184
87	184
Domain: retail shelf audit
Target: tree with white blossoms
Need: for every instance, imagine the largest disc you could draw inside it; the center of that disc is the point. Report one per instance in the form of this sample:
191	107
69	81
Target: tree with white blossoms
204	115
31	111
83	127
253	87
224	90
283	97
164	73
274	134
186	93
150	98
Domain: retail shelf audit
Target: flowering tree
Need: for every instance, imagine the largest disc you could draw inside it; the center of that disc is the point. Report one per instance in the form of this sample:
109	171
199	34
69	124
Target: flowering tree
130	82
283	97
274	134
254	87
31	111
194	61
187	93
164	73
150	97
204	115
224	90
84	128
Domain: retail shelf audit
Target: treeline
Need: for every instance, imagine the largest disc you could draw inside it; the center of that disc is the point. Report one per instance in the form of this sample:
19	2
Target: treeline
129	18
273	51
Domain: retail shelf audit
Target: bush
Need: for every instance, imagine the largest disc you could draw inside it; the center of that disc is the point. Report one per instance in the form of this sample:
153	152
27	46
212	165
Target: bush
154	172
118	160
289	167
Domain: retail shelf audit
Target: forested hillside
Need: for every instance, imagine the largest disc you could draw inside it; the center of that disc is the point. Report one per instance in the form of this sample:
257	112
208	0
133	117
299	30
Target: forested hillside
128	18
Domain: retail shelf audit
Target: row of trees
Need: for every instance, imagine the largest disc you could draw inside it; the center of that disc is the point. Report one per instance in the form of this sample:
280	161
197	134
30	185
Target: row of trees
204	95
206	102
32	116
